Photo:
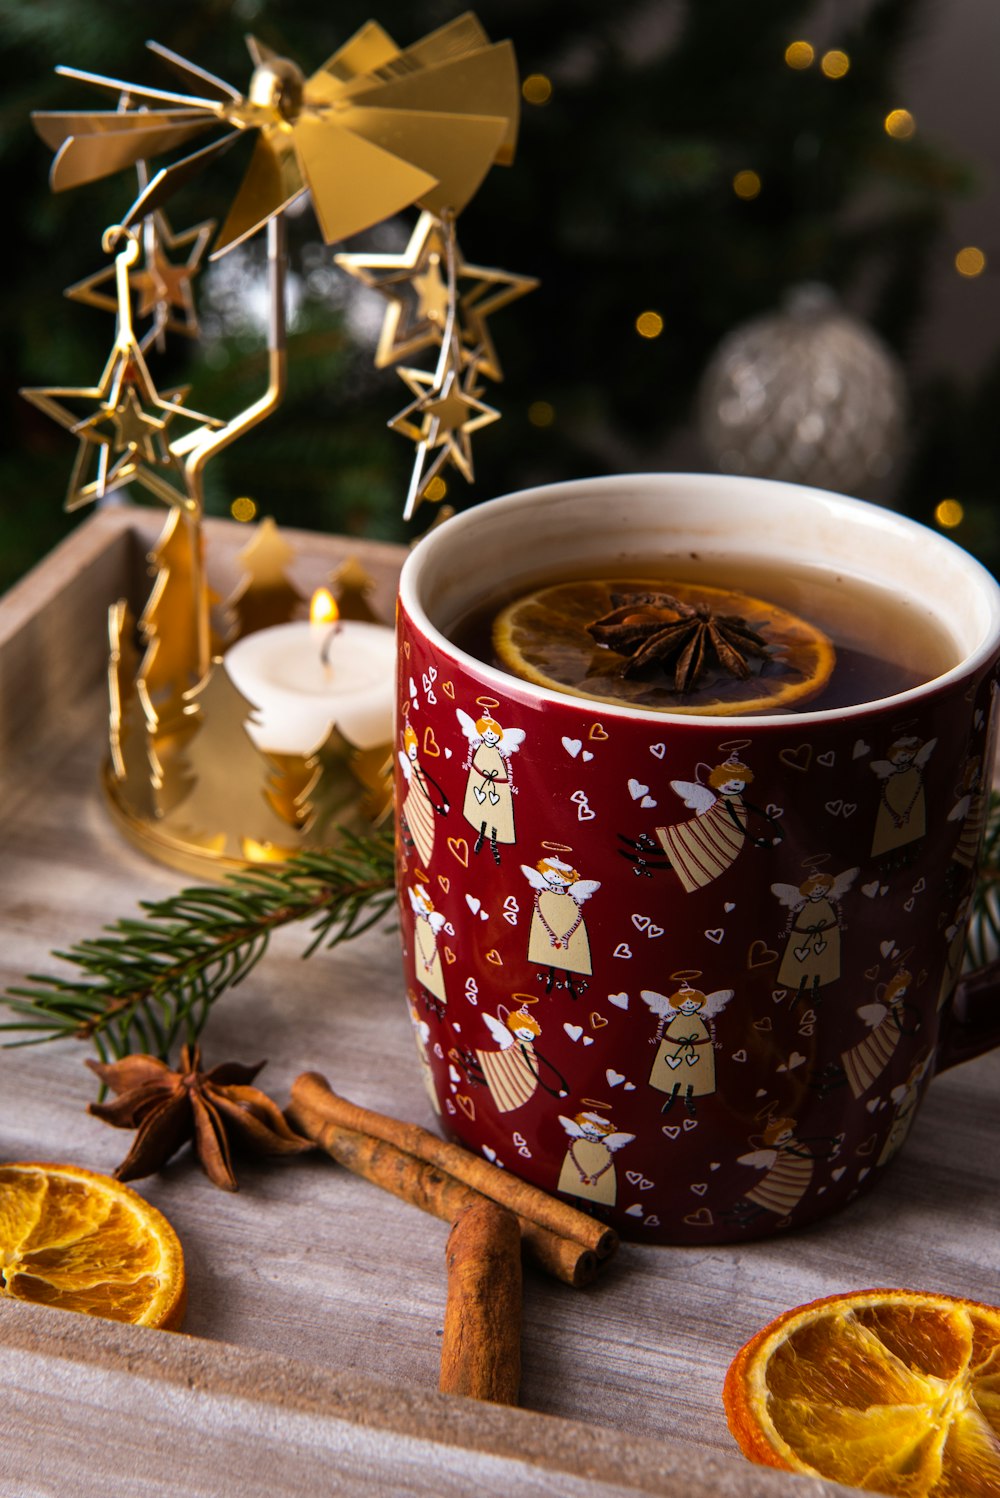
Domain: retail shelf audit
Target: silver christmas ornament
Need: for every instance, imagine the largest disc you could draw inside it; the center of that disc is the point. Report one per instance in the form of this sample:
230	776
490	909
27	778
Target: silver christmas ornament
808	394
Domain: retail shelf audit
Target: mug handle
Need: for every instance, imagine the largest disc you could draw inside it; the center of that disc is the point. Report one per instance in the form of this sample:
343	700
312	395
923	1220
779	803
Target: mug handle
973	1025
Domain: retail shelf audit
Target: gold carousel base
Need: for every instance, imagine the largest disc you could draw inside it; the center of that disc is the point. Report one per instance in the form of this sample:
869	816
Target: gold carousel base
202	859
210	859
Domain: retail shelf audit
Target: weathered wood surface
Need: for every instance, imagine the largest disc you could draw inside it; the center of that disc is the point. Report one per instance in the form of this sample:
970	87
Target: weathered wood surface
316	1301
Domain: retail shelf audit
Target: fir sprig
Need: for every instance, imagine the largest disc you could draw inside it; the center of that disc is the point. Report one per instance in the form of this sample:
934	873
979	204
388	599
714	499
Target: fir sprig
148	982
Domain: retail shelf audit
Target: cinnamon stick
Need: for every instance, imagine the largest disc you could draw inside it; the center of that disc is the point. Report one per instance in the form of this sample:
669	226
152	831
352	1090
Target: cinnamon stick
433	1190
311	1092
481	1344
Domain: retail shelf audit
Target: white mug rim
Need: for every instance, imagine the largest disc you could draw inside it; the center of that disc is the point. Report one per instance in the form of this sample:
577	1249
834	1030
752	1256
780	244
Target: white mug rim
466	522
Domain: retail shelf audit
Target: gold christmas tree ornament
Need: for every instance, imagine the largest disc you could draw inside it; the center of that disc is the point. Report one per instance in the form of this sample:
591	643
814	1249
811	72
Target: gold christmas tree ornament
208	765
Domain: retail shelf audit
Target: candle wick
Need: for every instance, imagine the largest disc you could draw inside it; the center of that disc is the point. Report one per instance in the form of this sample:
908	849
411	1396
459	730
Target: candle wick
324	654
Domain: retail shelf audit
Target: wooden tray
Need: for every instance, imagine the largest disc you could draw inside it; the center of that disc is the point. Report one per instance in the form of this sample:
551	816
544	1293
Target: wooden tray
316	1300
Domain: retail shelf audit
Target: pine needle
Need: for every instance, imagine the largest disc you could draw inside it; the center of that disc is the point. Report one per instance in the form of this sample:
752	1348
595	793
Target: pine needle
147	983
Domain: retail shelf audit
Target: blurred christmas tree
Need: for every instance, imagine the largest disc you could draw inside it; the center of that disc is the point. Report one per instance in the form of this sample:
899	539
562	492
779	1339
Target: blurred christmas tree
680	170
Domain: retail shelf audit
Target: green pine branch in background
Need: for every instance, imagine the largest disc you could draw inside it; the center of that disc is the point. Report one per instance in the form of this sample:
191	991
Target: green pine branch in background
147	983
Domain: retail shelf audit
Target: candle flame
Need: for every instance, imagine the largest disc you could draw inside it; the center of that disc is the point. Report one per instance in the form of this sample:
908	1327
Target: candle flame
323	608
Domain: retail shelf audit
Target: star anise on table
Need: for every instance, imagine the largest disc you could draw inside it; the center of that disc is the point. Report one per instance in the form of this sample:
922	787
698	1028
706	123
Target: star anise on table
210	1108
658	629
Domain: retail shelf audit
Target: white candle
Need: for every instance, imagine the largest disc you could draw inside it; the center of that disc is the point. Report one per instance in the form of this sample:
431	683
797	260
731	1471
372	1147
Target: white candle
304	678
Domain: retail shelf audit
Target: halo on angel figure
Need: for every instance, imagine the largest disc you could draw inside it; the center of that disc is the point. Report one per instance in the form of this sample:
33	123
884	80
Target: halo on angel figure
686	975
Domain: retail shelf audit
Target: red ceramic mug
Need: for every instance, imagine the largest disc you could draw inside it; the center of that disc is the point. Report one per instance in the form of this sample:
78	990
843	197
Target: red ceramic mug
691	972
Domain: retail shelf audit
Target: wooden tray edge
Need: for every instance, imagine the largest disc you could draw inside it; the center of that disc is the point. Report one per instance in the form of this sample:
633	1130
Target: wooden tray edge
279	1383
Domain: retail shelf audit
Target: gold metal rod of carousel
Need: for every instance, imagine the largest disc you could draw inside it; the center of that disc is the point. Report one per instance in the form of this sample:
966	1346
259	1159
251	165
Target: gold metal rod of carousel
211	442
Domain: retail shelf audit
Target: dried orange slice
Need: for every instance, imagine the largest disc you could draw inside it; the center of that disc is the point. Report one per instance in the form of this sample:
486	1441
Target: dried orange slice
890	1391
85	1242
542	637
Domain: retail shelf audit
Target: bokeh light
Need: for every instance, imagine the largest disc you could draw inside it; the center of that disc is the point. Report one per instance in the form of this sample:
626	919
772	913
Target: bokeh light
541	413
436	489
649	324
970	261
900	124
746	185
835	63
800	54
243	508
537	89
949	513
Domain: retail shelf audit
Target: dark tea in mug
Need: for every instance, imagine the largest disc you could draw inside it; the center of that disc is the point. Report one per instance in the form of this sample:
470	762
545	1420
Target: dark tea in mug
827	640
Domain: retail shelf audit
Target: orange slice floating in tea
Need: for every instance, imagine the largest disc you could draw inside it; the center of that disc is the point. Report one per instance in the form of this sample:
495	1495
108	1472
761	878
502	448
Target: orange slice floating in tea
544	637
890	1391
85	1242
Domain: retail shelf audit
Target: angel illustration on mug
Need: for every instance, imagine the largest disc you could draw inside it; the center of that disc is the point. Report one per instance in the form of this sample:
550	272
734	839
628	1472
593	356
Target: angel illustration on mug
685	1041
701	848
588	1168
787	1162
890	1018
428	924
811	958
516	1069
557	936
902	814
423	800
489	790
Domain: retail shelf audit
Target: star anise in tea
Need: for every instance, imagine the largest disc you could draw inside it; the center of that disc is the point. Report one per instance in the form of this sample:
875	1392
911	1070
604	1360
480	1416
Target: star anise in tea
656	629
210	1108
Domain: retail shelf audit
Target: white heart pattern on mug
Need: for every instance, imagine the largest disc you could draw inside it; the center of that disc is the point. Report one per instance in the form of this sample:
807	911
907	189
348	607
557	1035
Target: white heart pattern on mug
646	923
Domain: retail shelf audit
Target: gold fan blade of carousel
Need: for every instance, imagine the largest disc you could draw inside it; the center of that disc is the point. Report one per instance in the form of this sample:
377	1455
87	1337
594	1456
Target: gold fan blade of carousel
272	182
455	152
461	35
96	146
369	48
354	183
480	84
169	179
56	127
457	38
371	51
453	120
373	131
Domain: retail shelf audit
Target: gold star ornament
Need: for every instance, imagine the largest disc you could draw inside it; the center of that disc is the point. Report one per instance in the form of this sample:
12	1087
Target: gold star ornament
373	130
441	420
416	284
162	288
123	421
